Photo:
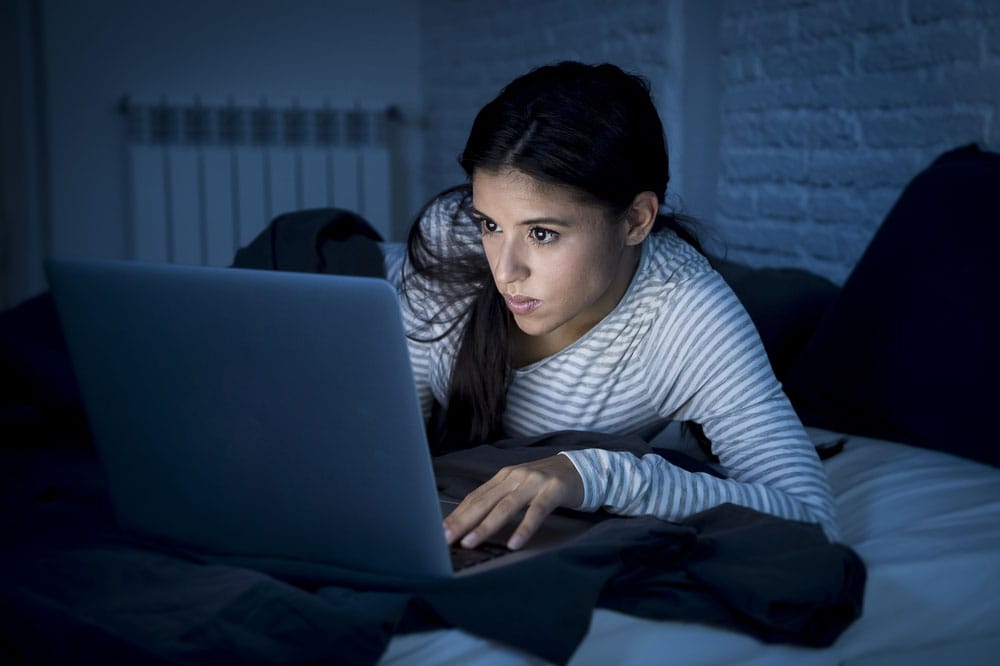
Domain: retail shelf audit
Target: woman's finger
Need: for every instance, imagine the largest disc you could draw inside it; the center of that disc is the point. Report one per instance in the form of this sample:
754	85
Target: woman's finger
487	510
475	507
532	521
502	512
541	486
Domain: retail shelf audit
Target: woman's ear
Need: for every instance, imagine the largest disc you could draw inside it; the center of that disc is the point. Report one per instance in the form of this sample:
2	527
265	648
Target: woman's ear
641	216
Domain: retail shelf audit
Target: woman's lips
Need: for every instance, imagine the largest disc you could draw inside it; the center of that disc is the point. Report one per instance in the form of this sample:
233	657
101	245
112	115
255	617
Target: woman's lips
521	305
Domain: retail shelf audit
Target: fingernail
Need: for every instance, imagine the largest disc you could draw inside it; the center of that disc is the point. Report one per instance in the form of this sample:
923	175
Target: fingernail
469	541
449	536
515	542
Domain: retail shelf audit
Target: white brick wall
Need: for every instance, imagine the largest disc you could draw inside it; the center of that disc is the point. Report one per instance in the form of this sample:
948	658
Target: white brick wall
472	48
829	107
826	108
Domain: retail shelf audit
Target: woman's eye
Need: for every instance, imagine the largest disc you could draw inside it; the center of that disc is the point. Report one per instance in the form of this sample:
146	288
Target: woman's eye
487	226
542	235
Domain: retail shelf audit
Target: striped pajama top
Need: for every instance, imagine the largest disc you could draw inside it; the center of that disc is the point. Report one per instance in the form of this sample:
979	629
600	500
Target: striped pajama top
678	346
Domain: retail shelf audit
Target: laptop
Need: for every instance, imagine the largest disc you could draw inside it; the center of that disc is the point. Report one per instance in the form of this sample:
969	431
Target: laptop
262	418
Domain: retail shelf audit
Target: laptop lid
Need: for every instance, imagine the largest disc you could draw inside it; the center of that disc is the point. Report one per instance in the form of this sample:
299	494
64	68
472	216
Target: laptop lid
255	413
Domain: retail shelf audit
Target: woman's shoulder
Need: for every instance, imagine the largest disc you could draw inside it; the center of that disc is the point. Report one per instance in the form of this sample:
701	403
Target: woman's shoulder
446	221
670	262
677	283
448	203
447	209
440	265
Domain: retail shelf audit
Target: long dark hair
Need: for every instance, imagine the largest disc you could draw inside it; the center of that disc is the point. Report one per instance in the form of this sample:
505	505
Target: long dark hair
592	128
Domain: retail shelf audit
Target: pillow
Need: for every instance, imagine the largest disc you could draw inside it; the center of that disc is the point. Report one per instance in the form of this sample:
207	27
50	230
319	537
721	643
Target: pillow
908	350
38	390
316	240
785	305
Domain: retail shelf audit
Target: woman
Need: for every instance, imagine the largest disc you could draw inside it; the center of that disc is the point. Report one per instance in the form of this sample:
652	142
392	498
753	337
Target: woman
550	294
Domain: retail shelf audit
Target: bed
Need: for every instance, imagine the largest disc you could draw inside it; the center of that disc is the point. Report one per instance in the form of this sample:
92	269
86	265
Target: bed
927	525
901	393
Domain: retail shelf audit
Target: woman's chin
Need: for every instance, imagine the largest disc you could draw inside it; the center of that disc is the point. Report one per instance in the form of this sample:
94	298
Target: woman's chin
530	326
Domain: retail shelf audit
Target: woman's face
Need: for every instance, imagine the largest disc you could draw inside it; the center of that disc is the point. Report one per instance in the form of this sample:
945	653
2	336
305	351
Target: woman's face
560	264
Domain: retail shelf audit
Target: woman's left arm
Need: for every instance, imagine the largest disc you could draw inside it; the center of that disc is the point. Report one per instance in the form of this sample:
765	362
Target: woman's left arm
772	468
710	367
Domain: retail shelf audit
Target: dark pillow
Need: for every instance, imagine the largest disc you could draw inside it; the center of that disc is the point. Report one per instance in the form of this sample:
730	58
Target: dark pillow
39	398
908	350
316	240
785	304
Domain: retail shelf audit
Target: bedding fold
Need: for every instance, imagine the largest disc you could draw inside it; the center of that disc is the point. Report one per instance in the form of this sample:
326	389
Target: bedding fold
67	571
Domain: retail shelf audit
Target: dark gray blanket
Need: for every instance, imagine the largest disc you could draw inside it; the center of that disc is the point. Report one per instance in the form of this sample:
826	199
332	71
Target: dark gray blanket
76	588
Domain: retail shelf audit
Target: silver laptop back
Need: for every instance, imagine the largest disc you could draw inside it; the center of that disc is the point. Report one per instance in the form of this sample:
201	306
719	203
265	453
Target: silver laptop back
255	413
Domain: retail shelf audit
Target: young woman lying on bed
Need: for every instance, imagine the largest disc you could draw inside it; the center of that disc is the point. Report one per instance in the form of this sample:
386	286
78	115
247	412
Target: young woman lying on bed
550	293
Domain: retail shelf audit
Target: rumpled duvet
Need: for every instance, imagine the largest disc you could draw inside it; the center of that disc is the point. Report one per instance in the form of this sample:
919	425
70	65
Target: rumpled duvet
74	587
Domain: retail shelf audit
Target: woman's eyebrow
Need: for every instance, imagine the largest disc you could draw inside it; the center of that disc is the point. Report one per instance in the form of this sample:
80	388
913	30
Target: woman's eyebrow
546	221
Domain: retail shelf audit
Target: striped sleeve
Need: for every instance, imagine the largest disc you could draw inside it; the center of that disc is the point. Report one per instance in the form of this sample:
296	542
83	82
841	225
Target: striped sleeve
711	362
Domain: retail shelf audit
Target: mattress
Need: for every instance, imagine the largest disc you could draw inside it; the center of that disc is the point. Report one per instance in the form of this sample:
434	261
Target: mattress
927	525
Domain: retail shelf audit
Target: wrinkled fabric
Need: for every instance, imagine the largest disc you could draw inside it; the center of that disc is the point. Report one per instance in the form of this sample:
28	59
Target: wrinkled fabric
76	587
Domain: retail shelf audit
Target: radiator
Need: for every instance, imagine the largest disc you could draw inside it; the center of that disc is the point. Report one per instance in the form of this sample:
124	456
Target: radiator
204	179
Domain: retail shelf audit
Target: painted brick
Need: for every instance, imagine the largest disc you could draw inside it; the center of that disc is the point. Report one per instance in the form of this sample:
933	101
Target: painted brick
769	243
822	20
781	204
901	96
862	170
749	130
757	166
821	243
829	129
807	61
927	11
773	238
834	207
992	29
745	32
842	19
913	88
756	237
741	8
929	47
737	203
922	128
832	129
867	91
738	69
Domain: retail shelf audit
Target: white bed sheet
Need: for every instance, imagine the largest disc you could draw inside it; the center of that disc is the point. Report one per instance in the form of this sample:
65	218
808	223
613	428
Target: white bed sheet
927	525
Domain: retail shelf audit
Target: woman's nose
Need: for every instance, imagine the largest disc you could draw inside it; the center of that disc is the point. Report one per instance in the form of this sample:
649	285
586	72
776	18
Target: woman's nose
510	265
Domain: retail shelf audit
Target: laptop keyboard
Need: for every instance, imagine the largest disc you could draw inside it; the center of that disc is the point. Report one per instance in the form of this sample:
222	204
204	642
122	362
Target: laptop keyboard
463	558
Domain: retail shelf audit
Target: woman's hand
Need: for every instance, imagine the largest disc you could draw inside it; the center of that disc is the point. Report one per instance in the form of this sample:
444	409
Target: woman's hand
541	486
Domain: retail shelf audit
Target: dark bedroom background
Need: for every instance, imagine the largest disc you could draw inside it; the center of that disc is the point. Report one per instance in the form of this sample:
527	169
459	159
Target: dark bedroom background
793	125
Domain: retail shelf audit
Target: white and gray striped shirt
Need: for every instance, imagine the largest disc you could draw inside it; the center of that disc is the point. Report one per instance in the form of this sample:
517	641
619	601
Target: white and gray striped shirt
679	346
